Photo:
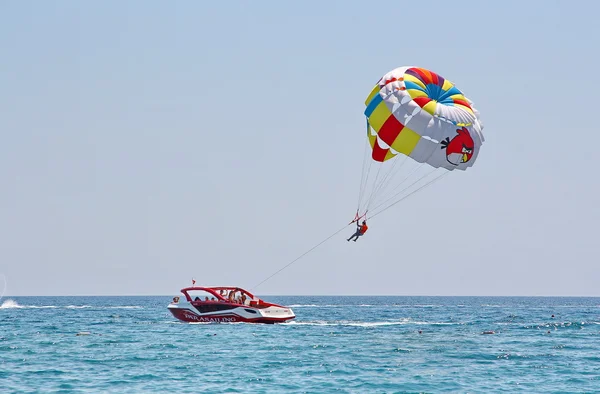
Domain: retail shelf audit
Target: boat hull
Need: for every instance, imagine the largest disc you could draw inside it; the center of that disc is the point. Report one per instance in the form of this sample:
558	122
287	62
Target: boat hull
190	313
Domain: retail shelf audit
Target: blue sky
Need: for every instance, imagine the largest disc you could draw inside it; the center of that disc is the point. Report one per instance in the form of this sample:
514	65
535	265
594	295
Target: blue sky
145	143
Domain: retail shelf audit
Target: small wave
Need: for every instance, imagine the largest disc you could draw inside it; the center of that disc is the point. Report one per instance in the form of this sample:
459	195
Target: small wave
330	306
321	306
364	305
322	323
559	325
123	307
375	324
40	306
304	306
11	304
103	307
365	324
576	306
345	324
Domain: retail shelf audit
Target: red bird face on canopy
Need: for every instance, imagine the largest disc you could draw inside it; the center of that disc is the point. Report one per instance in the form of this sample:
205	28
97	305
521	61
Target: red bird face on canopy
460	149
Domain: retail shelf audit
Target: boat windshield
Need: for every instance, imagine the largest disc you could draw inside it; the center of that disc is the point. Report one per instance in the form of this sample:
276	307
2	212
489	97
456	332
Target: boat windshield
222	294
201	295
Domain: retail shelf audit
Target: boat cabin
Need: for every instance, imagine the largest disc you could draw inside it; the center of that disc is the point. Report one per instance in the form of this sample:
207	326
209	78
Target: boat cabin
229	295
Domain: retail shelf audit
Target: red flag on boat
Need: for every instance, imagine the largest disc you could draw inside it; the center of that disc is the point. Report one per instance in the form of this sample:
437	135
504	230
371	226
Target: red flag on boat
193	282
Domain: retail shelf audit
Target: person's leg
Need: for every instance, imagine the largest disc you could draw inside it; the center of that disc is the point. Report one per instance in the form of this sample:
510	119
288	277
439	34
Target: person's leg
353	235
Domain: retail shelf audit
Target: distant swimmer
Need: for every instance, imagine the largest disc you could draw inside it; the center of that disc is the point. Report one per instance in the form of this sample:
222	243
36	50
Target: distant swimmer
361	229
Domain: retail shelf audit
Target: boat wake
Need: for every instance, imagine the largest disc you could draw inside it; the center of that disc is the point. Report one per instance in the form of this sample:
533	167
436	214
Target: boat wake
368	305
402	322
12	304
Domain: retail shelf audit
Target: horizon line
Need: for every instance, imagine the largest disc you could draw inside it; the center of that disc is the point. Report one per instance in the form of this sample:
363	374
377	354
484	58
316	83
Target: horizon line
313	295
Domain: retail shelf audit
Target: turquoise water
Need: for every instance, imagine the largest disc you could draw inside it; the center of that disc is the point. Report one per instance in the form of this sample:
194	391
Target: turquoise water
336	344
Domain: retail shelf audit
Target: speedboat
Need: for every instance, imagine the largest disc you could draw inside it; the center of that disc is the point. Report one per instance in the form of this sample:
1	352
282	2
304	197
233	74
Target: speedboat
226	305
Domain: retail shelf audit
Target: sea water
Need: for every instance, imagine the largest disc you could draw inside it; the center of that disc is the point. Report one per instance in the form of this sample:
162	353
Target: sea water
336	344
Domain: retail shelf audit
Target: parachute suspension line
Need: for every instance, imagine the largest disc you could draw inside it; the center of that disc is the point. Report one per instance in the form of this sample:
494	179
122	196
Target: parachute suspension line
437	178
362	175
364	186
373	191
302	255
396	190
384	184
406	188
407	177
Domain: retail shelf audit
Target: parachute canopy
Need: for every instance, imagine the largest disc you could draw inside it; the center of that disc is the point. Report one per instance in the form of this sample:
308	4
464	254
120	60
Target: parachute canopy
419	115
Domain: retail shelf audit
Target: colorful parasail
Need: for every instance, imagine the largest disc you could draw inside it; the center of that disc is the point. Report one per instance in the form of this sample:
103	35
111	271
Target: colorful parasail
422	115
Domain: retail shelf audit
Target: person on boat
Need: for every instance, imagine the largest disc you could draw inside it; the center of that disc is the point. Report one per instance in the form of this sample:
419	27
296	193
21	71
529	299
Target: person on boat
361	229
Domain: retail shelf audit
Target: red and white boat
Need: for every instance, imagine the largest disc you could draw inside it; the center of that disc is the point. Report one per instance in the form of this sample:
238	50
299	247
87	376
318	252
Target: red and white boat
226	305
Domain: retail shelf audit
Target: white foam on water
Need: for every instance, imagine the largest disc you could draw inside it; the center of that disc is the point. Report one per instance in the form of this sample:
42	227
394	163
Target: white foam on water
123	307
401	322
364	305
303	306
10	304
